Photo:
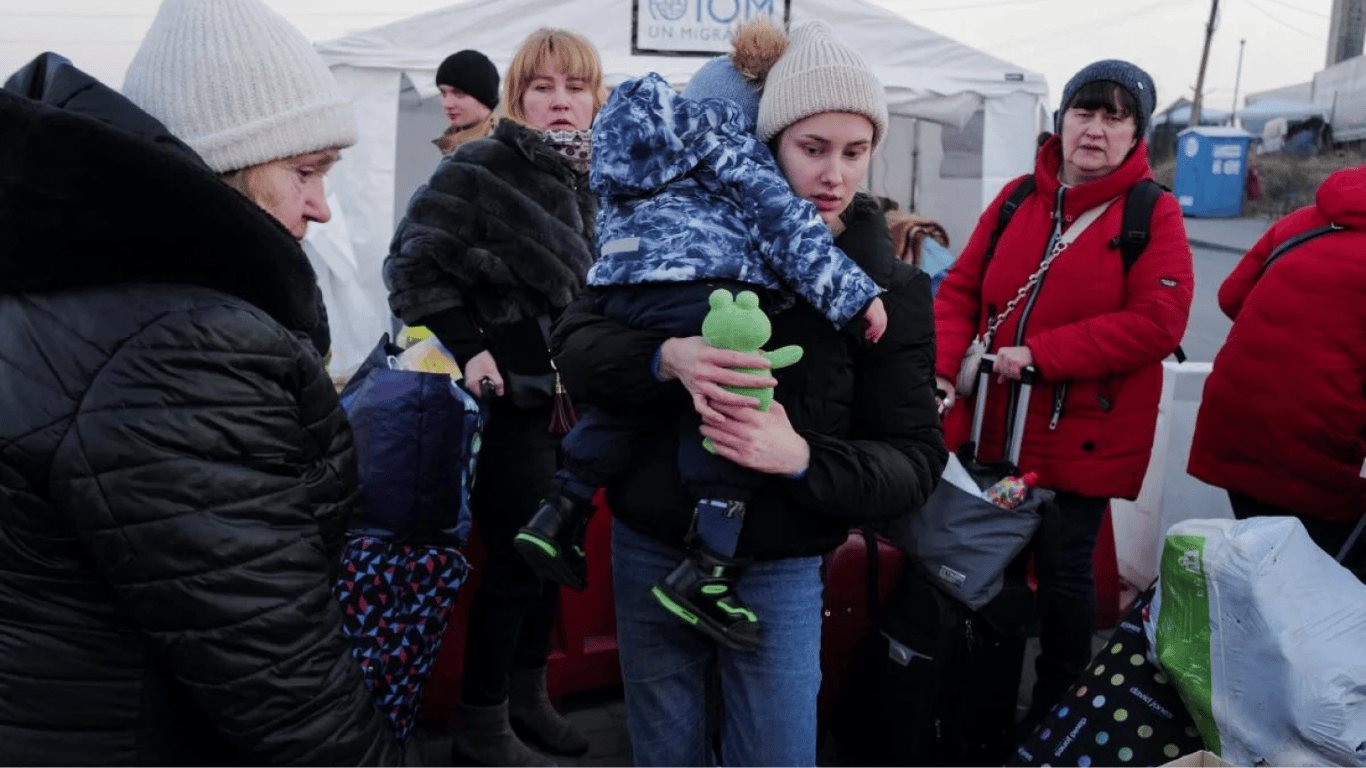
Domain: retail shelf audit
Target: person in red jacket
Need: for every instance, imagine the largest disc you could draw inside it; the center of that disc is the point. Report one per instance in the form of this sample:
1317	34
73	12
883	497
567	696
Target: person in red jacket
1282	425
1096	334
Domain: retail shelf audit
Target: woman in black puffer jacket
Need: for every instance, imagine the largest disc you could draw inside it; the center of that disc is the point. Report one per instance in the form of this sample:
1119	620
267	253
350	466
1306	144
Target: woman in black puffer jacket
176	475
491	250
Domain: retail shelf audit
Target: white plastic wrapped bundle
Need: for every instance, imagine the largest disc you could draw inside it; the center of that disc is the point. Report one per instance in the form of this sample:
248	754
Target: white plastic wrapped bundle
1263	633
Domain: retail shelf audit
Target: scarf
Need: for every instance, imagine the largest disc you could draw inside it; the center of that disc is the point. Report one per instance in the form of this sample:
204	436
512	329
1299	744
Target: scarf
574	146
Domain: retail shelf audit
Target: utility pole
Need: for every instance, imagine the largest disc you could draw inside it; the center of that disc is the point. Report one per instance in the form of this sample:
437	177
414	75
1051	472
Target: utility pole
1233	119
1204	59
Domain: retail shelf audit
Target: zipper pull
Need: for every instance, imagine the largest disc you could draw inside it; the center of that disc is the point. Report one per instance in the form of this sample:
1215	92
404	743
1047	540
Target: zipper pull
1059	394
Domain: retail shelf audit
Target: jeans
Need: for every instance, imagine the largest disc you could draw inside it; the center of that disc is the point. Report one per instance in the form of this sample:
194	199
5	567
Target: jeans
513	612
768	697
1066	599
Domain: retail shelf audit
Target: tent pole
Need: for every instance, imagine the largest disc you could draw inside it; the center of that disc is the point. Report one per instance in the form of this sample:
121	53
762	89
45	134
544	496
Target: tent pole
1237	78
915	162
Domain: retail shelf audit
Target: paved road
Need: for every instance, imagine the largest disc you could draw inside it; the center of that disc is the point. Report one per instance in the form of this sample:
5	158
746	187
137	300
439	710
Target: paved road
1207	328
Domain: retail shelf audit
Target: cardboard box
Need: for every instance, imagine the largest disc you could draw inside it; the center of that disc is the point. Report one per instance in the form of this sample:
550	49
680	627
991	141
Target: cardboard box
1201	758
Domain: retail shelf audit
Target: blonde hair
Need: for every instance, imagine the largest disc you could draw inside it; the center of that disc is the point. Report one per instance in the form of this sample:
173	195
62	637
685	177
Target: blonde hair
551	50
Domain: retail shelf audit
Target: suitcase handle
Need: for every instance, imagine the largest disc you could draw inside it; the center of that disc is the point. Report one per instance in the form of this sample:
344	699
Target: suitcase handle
1016	437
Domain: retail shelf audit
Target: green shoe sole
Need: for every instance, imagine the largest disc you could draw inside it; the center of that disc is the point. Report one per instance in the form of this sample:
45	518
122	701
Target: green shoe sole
675	605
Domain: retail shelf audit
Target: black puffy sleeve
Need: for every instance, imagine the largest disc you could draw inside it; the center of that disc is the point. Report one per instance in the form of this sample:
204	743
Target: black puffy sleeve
209	474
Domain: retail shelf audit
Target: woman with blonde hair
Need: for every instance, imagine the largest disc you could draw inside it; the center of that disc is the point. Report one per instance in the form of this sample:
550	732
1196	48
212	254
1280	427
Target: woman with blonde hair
491	250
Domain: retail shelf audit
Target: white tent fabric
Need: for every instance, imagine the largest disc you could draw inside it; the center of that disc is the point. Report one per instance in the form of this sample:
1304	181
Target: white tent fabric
1255	117
388	73
1182	116
1269	108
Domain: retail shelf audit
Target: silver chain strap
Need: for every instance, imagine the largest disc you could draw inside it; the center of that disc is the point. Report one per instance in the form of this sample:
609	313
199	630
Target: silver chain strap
1033	280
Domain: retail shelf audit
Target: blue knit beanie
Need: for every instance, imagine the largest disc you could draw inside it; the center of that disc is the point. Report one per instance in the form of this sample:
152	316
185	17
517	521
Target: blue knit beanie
1132	78
718	79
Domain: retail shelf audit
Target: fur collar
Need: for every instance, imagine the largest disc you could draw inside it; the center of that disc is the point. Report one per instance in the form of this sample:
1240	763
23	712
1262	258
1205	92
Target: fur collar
94	192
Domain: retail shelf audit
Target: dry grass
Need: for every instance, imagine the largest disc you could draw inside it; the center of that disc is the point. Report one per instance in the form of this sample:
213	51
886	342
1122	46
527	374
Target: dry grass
1287	182
1290	182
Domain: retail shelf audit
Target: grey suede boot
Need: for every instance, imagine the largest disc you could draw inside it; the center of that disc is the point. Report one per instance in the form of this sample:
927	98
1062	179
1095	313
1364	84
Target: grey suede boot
485	737
533	715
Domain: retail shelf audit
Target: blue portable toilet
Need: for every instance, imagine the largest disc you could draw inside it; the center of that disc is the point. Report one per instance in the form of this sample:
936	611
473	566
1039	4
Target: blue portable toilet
1211	167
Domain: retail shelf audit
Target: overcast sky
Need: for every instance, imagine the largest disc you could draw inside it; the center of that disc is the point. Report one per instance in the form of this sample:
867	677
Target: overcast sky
1286	39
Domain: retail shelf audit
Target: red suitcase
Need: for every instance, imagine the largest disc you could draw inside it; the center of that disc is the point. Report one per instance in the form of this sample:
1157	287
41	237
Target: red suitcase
584	656
848	626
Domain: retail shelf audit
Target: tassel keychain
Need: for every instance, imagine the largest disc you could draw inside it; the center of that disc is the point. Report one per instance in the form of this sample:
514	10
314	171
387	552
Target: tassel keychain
563	417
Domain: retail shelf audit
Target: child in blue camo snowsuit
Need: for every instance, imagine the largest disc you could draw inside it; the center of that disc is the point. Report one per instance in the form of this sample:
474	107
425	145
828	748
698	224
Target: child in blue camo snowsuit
691	201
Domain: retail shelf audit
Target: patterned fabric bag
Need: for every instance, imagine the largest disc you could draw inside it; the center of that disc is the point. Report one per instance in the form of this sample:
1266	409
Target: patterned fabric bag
396	601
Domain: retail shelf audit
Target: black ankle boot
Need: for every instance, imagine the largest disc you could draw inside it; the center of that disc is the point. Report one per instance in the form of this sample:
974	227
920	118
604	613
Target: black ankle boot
552	542
701	592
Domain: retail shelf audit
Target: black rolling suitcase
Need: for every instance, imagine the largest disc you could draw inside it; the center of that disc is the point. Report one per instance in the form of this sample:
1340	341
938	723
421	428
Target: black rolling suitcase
949	677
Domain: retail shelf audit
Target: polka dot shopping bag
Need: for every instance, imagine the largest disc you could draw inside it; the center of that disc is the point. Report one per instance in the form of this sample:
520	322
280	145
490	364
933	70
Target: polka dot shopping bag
1124	711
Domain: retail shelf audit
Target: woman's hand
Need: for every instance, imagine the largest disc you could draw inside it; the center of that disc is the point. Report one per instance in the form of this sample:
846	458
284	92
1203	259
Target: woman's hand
763	441
949	397
1011	362
483	366
705	370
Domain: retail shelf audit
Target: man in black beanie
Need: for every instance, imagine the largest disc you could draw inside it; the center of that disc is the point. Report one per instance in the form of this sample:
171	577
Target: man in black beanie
469	88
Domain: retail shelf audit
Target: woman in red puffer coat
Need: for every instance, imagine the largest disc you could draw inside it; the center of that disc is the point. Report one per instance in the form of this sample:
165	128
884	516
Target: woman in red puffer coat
1282	425
1096	333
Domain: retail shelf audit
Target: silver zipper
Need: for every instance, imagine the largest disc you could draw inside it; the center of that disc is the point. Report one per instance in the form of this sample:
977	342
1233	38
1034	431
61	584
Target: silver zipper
1029	306
1059	395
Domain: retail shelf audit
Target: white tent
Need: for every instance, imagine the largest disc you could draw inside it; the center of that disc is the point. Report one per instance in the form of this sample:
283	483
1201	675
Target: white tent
1255	116
1181	116
963	122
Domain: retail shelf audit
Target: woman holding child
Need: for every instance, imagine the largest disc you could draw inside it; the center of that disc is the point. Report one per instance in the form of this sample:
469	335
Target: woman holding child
852	435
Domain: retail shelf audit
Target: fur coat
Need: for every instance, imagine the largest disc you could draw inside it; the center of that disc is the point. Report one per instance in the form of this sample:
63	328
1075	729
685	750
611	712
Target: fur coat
504	228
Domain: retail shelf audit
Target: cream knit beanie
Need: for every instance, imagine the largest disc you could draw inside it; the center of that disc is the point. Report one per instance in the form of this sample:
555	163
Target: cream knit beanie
818	74
238	83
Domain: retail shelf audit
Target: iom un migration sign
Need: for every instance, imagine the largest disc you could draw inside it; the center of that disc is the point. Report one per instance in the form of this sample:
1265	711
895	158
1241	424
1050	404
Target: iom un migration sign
695	27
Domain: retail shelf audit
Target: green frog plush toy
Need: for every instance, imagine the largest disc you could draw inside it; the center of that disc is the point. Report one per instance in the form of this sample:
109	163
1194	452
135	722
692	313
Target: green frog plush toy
736	322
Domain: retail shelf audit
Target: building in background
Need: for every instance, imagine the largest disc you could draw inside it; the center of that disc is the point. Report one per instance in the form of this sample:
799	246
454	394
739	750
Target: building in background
1346	31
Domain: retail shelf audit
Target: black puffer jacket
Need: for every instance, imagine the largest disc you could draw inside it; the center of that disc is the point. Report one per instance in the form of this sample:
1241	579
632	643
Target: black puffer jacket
502	233
868	413
176	475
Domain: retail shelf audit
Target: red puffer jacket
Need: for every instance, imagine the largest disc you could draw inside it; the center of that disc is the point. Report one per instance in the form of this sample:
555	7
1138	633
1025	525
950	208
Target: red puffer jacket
1283	418
1098	336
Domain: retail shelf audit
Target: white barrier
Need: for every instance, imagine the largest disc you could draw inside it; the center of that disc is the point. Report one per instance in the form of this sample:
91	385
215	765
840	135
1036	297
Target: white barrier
1169	495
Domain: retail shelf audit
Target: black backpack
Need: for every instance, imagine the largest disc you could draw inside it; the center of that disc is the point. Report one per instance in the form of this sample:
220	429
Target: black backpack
1134	227
1295	242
